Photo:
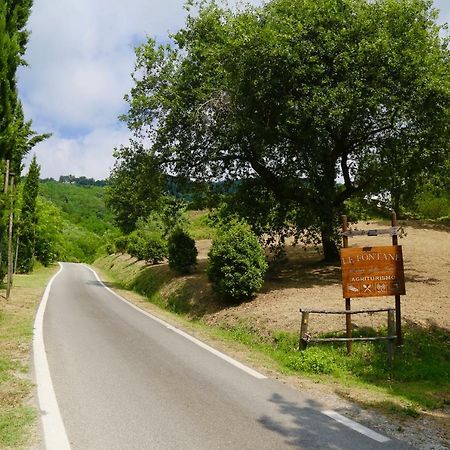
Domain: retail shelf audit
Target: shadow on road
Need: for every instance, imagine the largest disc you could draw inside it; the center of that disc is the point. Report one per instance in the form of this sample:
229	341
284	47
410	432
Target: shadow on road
304	426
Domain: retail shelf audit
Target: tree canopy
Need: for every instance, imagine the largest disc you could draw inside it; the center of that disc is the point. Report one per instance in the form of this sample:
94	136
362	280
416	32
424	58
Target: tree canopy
135	186
296	94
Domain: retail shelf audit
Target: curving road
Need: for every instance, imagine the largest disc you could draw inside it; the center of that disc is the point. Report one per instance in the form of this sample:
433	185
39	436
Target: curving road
124	380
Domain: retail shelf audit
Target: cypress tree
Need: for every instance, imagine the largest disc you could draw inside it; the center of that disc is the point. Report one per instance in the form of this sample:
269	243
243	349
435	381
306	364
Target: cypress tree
28	219
13	40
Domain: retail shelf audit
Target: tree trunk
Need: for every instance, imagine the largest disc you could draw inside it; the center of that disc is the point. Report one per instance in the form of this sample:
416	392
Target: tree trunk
330	248
327	212
396	202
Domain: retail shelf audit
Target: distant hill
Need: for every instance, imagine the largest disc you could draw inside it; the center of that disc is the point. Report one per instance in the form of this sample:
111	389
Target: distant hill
81	181
82	205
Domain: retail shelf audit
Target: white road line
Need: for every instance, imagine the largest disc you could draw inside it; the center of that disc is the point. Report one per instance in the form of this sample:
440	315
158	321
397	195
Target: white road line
356	426
201	344
55	436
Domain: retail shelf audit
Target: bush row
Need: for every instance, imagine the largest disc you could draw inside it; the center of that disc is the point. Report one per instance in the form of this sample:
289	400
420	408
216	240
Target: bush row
151	246
236	265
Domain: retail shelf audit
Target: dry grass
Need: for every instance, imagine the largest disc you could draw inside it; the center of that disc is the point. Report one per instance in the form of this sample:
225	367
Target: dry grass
17	414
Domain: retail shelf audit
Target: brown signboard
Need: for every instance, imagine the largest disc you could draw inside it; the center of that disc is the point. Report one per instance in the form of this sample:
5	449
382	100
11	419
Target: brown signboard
372	271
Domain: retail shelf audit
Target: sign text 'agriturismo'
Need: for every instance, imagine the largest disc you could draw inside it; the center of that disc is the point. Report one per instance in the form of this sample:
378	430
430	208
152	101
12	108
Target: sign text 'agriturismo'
372	271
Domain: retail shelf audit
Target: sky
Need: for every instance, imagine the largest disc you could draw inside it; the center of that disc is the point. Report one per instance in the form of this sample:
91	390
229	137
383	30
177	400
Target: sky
80	57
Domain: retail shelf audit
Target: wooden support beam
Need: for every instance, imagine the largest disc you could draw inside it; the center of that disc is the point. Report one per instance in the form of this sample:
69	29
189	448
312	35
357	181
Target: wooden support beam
348	306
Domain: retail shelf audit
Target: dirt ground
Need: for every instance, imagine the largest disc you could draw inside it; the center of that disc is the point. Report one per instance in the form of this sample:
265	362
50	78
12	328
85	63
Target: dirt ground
302	281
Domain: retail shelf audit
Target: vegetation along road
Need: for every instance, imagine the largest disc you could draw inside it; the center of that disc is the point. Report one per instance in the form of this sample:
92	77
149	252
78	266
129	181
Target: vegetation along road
124	379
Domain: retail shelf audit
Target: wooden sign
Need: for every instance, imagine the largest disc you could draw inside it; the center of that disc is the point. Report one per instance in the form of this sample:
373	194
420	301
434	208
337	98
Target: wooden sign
372	271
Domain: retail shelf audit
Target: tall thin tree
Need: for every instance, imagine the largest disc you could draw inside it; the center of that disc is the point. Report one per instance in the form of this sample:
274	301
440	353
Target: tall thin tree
28	219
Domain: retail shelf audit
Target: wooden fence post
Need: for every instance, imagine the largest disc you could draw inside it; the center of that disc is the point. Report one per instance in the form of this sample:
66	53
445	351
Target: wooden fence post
398	311
348	307
391	331
304	330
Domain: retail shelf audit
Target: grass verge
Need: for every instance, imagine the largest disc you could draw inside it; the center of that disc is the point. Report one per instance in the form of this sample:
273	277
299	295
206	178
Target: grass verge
17	416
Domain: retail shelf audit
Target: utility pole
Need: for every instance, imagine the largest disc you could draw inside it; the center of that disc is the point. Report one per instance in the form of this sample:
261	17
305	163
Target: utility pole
10	242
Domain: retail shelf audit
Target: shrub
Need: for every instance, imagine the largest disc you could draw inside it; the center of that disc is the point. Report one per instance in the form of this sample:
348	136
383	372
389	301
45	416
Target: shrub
182	251
121	244
237	264
431	206
134	245
110	248
154	248
147	245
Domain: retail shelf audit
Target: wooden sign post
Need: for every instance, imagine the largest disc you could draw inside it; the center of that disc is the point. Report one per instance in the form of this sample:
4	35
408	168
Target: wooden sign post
372	272
398	313
348	306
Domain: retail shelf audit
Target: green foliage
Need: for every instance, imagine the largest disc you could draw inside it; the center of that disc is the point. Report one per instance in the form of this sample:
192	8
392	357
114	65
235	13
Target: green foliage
13	40
237	263
121	244
82	205
173	214
28	220
433	205
134	187
359	209
200	225
57	239
81	181
147	242
182	251
296	93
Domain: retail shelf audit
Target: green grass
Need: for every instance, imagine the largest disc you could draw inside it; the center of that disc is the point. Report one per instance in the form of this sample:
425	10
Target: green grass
16	331
145	280
199	225
13	422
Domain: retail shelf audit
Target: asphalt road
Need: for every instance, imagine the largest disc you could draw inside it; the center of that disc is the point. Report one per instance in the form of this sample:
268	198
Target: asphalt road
125	381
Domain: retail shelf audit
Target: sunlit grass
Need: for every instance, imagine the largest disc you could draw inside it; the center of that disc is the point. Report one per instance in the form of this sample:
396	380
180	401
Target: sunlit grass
199	225
16	331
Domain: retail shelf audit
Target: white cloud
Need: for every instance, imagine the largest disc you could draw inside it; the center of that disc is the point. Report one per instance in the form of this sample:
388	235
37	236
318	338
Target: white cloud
89	155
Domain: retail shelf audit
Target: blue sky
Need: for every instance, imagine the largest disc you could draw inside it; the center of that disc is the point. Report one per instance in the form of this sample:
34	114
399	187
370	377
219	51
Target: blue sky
80	58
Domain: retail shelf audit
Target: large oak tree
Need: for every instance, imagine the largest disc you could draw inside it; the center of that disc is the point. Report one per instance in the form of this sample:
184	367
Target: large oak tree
297	94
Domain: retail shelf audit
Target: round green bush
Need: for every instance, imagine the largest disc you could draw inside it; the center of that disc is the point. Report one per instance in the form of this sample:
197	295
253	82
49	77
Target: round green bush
154	248
147	245
237	263
121	244
182	251
134	245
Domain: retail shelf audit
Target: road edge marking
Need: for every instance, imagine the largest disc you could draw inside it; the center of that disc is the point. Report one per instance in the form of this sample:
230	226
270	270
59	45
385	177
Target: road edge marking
55	436
356	426
187	336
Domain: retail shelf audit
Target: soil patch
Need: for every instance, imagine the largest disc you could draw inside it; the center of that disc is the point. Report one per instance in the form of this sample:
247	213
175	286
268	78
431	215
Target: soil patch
303	281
